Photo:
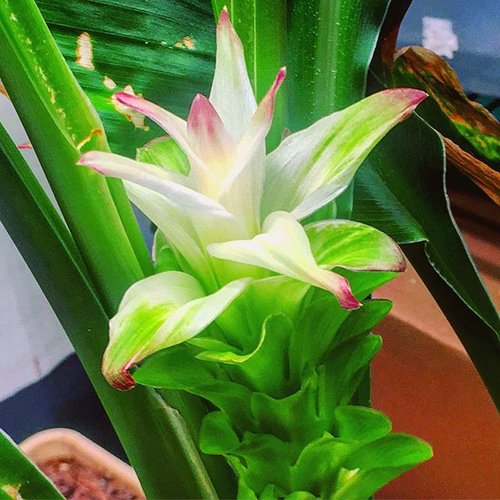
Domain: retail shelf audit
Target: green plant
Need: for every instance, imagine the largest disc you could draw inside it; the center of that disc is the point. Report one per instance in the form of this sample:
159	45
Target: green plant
278	346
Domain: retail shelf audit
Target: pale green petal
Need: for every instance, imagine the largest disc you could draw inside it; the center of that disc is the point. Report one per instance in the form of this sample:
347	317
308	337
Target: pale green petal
283	247
312	167
159	312
164	152
352	245
231	93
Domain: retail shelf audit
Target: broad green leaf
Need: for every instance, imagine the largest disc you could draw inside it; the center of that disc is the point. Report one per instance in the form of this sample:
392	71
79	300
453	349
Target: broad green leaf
18	475
331	46
281	231
354	246
43	243
358	423
371	466
411	206
159	312
312	167
161	49
329	62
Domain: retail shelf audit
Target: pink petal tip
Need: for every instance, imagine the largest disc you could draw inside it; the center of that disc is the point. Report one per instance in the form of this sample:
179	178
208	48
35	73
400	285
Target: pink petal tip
124	97
224	15
346	298
121	379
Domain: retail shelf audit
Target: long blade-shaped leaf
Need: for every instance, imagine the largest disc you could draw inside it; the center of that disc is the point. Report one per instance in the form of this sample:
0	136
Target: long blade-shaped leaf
60	122
155	437
19	475
331	46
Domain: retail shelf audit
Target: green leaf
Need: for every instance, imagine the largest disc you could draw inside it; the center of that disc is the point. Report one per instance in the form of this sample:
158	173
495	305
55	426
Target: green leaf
163	49
411	205
59	121
402	192
371	466
331	46
329	61
21	475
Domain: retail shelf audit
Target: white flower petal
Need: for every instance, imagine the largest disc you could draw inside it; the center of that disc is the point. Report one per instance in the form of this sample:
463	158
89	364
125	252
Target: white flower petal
313	166
177	228
231	94
152	177
283	247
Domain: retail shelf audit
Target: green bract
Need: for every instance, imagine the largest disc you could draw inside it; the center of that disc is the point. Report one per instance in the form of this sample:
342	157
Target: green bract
249	309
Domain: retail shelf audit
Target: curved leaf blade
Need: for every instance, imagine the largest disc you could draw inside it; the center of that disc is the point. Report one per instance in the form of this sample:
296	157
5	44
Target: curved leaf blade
18	474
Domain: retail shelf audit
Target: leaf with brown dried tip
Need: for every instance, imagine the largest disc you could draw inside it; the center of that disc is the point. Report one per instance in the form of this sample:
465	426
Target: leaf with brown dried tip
3	90
466	122
481	174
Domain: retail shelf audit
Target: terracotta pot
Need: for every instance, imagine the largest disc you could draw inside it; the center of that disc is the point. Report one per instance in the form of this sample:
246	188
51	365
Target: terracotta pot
67	444
425	382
